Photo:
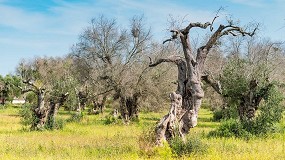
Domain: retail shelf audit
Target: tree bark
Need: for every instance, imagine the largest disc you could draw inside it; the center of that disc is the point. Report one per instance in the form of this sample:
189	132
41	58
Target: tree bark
40	111
51	117
99	104
250	101
129	107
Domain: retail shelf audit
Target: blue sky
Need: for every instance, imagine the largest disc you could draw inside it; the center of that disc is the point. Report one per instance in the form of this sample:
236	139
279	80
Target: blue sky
30	28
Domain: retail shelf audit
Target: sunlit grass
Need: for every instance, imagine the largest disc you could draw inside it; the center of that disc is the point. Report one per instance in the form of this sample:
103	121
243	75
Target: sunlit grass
92	139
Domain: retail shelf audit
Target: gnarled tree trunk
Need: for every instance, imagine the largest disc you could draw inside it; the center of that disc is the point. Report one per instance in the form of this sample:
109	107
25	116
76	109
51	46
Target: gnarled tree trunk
40	111
81	99
129	107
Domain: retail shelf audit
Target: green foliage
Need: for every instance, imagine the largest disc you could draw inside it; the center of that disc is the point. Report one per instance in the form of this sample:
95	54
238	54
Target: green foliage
233	79
54	124
110	119
225	113
8	87
27	116
31	98
230	128
192	145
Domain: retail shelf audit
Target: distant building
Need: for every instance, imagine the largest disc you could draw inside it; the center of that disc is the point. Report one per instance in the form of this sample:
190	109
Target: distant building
18	101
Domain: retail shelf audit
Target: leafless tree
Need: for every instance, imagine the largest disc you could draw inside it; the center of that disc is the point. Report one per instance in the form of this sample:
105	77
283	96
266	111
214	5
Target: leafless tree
190	76
114	62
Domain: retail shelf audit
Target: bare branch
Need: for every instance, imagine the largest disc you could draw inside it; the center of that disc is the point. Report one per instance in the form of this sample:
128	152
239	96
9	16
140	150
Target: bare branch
226	30
170	39
173	59
234	30
34	88
212	82
211	27
217	15
197	24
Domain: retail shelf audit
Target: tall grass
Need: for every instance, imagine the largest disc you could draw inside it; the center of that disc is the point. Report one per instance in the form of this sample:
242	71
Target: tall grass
92	139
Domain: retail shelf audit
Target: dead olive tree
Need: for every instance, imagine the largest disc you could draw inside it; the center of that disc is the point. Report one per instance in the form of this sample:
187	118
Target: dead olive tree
113	61
190	72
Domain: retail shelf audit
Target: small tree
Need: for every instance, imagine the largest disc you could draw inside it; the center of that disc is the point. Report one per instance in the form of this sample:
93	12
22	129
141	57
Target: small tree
47	79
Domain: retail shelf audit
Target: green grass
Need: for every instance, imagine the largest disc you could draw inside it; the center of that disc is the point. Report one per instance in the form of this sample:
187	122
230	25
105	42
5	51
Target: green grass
91	139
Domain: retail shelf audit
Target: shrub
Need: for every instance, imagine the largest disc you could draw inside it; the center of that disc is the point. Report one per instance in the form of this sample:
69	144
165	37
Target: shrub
230	128
110	119
76	117
225	113
27	116
192	145
55	124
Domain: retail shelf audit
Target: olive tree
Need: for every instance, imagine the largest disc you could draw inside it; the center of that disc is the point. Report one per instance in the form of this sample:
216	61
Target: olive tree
114	62
189	94
47	79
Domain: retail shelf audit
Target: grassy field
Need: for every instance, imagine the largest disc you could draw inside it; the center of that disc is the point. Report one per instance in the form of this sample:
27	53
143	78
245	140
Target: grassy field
92	139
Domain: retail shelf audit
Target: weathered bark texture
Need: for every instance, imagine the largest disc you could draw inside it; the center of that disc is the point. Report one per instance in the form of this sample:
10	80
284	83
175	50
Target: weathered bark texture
53	108
190	72
40	111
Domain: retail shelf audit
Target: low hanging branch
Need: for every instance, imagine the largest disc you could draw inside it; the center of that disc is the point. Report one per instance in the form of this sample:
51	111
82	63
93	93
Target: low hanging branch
190	69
